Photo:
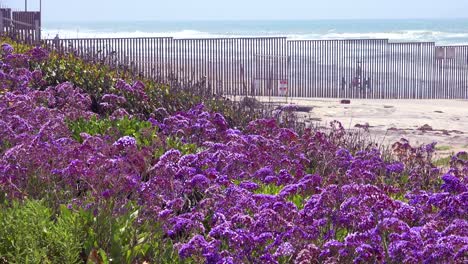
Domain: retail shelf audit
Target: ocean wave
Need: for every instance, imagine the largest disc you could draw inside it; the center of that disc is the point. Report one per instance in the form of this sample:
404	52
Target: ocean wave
51	33
439	37
396	36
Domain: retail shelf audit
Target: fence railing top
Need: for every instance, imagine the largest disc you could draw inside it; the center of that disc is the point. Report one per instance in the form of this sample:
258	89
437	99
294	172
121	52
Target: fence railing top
384	41
337	40
234	38
412	43
452	46
178	39
74	39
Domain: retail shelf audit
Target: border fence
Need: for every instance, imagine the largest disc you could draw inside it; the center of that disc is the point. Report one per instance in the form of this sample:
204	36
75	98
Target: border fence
273	66
360	68
21	25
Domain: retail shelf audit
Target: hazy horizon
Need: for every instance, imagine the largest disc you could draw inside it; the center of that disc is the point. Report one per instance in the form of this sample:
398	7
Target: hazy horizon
243	10
261	20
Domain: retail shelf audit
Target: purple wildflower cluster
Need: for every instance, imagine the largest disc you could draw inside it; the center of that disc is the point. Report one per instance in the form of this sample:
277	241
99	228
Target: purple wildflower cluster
263	194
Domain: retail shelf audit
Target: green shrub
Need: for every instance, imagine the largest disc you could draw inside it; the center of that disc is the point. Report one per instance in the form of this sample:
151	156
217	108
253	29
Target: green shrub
176	143
443	162
97	78
121	239
143	131
30	234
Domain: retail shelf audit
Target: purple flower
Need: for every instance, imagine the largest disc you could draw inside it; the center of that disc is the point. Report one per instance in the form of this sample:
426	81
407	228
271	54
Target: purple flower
165	213
138	85
396	167
452	184
126	141
132	182
38	54
284	250
344	157
106	194
123	86
114	99
365	253
289	190
37	75
7	49
251	186
429	148
199	181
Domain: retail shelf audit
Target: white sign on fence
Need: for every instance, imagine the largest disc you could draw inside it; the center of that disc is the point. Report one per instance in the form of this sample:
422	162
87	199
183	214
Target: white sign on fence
282	87
450	53
440	53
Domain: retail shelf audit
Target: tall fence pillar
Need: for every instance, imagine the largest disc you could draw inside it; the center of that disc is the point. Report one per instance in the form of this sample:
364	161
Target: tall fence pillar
37	31
1	23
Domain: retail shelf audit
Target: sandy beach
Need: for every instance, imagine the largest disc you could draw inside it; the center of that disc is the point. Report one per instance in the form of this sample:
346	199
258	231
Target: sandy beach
420	121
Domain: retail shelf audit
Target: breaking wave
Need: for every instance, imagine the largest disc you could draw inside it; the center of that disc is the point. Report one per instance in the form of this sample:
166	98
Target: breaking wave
440	37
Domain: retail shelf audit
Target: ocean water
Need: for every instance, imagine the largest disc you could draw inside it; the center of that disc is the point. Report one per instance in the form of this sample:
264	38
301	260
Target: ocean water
442	32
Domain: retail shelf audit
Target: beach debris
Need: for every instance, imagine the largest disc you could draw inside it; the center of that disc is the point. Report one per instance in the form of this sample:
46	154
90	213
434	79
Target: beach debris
250	102
288	108
365	126
345	101
388	106
456	132
438	111
305	109
425	127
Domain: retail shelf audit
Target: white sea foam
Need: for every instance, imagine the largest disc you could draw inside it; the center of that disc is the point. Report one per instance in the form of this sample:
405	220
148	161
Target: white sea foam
439	37
50	33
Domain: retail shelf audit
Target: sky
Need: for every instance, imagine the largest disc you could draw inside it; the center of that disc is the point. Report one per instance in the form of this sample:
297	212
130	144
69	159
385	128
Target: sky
125	10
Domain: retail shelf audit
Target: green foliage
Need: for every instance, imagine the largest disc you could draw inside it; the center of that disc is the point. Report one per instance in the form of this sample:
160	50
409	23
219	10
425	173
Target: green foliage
271	189
111	239
143	131
30	234
463	156
442	162
298	200
399	197
17	46
97	78
176	143
443	148
341	234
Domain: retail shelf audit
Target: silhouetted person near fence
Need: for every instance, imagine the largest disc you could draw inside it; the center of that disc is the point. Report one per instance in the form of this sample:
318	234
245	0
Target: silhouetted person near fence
56	41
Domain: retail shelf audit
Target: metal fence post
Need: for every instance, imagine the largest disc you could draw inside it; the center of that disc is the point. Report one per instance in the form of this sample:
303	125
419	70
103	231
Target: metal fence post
37	31
1	23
